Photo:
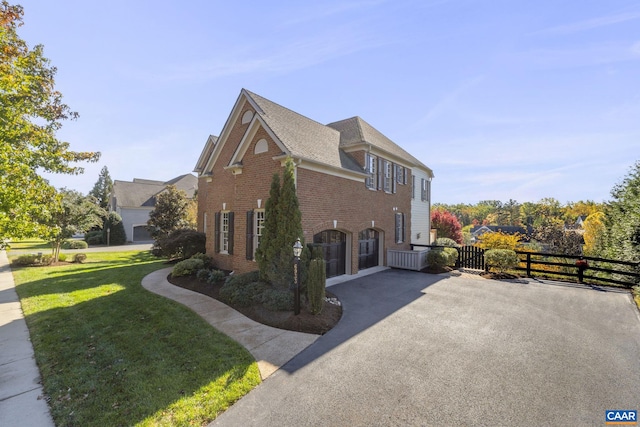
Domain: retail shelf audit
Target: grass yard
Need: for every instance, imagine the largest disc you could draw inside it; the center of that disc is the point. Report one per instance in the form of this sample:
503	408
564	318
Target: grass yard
113	354
29	245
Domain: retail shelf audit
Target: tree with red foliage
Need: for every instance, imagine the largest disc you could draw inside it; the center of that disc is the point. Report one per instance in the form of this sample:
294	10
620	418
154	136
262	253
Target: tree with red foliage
447	225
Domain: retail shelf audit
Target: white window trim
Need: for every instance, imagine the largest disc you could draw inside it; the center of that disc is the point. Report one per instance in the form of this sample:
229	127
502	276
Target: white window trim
224	249
257	231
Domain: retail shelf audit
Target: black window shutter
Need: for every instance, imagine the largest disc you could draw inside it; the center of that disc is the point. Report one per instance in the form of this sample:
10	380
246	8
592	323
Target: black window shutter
231	233
397	239
394	177
250	235
380	174
216	234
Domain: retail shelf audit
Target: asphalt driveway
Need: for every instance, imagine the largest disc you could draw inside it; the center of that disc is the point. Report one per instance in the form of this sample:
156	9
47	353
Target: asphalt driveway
420	349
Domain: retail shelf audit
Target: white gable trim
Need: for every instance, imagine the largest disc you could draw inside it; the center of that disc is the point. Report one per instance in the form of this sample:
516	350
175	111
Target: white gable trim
226	130
253	128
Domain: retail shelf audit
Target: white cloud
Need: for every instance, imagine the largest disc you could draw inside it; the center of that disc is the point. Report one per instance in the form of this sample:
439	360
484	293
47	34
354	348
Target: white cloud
590	24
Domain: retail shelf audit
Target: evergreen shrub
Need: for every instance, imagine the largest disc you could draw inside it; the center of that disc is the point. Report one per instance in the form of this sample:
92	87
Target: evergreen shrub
500	259
316	285
187	267
74	244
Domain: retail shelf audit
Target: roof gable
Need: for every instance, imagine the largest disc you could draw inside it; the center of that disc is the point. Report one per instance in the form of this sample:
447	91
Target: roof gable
143	192
301	138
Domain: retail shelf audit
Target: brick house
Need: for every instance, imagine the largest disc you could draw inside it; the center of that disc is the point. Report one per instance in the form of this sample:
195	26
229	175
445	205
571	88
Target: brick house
360	194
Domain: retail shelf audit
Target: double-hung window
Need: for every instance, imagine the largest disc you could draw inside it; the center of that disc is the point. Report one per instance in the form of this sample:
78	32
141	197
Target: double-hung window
224	232
388	177
400	228
423	190
258	228
372	161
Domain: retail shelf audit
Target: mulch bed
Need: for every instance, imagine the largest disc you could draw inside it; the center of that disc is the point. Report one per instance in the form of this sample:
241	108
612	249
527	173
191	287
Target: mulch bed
303	322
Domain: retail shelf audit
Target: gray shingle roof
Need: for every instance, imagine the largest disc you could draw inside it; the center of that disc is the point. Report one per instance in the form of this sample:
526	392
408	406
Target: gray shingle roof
355	131
302	136
142	193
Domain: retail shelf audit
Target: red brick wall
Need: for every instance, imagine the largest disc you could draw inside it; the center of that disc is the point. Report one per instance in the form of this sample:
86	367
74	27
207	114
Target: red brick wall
323	199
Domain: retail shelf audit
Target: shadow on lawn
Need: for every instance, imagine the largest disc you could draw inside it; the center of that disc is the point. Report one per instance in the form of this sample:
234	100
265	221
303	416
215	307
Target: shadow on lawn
122	356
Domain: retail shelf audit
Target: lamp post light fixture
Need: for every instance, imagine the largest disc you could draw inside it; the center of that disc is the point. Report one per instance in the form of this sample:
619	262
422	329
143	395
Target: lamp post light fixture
297	251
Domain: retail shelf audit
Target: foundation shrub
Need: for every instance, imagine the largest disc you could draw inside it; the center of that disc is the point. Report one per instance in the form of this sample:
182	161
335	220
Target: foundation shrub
187	267
278	300
215	276
316	285
442	257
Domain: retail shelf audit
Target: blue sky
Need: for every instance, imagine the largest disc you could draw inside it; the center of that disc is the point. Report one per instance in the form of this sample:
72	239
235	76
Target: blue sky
502	99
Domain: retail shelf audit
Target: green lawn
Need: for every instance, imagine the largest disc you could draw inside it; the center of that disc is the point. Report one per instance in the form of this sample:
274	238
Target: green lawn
112	353
29	245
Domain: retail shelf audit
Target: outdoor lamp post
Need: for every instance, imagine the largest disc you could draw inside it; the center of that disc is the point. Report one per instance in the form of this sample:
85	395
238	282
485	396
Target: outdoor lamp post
297	250
108	235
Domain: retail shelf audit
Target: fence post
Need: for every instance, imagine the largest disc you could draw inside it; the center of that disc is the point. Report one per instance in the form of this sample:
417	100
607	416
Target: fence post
528	264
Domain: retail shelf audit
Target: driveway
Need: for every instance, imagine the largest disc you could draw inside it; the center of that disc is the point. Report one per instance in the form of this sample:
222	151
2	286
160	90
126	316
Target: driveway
433	350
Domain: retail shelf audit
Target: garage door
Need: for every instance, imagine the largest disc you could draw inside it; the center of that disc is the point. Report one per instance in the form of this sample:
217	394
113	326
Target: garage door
368	242
334	248
141	234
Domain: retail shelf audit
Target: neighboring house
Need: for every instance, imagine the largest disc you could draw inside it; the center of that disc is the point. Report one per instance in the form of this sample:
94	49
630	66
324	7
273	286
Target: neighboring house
354	186
133	201
479	230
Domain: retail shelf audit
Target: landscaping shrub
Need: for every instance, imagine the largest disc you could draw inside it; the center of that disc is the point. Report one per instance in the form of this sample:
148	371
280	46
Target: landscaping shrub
500	259
94	238
445	241
187	267
62	257
117	236
215	276
316	285
74	244
46	259
79	258
440	258
278	300
206	259
25	260
500	240
243	279
241	293
203	274
181	244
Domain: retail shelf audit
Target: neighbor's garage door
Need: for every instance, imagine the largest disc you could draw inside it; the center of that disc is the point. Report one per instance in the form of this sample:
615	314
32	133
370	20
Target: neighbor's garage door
140	233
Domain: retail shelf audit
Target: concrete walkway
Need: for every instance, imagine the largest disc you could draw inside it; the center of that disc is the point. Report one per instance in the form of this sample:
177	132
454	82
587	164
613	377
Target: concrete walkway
271	347
21	394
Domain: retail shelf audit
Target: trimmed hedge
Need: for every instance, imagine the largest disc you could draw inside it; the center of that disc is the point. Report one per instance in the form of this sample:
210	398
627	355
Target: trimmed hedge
94	238
442	257
500	259
445	241
74	244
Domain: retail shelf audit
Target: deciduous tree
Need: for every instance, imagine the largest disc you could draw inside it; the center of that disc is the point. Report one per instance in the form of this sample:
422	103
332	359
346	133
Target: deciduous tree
447	225
75	214
32	111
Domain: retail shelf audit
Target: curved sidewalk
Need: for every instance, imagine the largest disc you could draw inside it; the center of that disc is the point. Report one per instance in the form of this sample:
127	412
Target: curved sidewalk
271	347
21	394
